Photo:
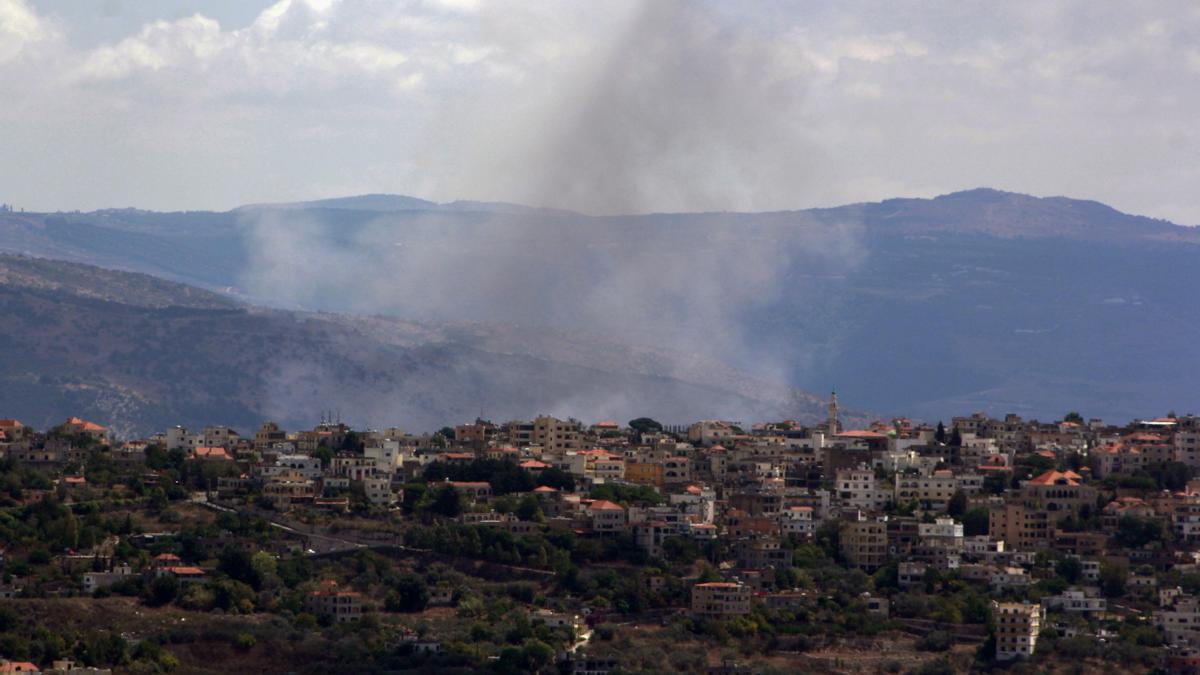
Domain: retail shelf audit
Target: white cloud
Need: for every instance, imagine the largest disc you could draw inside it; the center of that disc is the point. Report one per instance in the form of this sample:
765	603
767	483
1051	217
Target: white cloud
20	27
458	99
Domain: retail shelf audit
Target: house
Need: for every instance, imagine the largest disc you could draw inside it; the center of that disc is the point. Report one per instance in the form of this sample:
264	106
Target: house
1180	621
82	427
1009	577
185	574
14	431
341	605
797	521
857	488
1080	600
212	453
942	533
93	581
474	491
607	517
379	491
555	619
911	573
441	595
720	599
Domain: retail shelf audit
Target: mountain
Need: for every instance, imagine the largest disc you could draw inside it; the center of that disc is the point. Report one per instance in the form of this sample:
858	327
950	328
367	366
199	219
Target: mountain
977	300
142	354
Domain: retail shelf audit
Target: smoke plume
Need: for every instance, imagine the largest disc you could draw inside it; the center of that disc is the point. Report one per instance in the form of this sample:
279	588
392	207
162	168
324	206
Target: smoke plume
678	108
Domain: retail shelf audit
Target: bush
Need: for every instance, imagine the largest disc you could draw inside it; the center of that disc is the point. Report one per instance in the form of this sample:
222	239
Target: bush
163	590
244	641
935	641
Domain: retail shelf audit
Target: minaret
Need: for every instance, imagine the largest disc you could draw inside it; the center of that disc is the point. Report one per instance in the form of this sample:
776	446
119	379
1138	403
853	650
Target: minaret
833	416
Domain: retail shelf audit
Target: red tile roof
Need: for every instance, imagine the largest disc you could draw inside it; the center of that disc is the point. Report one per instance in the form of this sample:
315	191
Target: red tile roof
860	433
1057	478
211	453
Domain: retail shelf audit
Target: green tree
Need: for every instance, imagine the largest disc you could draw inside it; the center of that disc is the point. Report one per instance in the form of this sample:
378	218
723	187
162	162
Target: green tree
409	594
529	509
645	425
1070	569
975	522
447	502
163	590
1112	579
957	505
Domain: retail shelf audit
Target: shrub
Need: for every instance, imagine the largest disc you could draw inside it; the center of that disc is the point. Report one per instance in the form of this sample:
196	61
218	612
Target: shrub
935	641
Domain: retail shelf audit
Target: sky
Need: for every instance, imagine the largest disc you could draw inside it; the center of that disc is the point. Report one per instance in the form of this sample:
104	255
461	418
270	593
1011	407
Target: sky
604	107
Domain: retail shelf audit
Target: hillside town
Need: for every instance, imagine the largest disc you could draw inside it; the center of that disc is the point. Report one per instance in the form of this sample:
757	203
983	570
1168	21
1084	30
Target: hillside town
558	546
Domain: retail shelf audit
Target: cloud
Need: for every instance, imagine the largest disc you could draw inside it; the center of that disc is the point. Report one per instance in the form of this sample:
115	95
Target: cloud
20	28
312	97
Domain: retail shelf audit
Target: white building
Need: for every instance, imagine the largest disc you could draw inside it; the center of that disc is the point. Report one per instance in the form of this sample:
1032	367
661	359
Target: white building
857	488
1083	600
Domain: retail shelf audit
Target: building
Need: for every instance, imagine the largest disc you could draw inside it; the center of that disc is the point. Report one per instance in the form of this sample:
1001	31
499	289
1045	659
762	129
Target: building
864	543
329	601
1180	621
1022	527
607	517
720	599
1085	600
1017	628
857	488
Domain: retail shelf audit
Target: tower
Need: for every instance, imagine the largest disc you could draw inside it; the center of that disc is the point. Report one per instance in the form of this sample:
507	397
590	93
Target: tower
833	414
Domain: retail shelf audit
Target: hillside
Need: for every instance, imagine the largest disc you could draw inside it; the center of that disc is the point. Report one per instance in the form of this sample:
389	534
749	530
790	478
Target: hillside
142	354
930	307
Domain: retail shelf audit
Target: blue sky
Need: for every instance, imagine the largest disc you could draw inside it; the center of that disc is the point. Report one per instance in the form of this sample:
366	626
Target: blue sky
613	106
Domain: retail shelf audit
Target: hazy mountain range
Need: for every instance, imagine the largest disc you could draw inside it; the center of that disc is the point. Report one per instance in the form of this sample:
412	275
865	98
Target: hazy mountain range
141	354
928	307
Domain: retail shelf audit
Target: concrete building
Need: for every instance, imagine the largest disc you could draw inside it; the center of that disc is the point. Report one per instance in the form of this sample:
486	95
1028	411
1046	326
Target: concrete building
864	543
720	599
1017	628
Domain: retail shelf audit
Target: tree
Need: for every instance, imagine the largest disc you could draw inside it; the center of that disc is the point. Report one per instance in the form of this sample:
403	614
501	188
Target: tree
975	522
995	483
940	434
163	590
644	425
325	454
446	501
1135	532
958	504
529	509
557	479
409	594
935	641
1073	416
1070	569
1112	580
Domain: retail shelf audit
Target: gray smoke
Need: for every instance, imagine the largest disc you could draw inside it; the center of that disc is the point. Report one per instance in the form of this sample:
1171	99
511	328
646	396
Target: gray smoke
680	109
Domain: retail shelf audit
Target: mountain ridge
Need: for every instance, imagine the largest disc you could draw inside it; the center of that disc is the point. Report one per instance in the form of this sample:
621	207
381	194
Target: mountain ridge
976	299
141	354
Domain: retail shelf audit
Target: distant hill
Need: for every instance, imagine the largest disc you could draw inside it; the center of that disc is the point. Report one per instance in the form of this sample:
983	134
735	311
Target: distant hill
142	354
977	300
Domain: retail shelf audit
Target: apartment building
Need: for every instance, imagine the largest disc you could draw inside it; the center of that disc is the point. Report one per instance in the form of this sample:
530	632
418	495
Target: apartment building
720	599
1017	628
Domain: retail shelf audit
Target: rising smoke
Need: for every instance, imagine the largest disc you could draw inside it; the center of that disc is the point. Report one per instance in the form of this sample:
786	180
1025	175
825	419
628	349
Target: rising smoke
677	109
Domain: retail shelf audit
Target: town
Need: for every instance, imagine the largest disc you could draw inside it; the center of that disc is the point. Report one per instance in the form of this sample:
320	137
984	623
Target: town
556	546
